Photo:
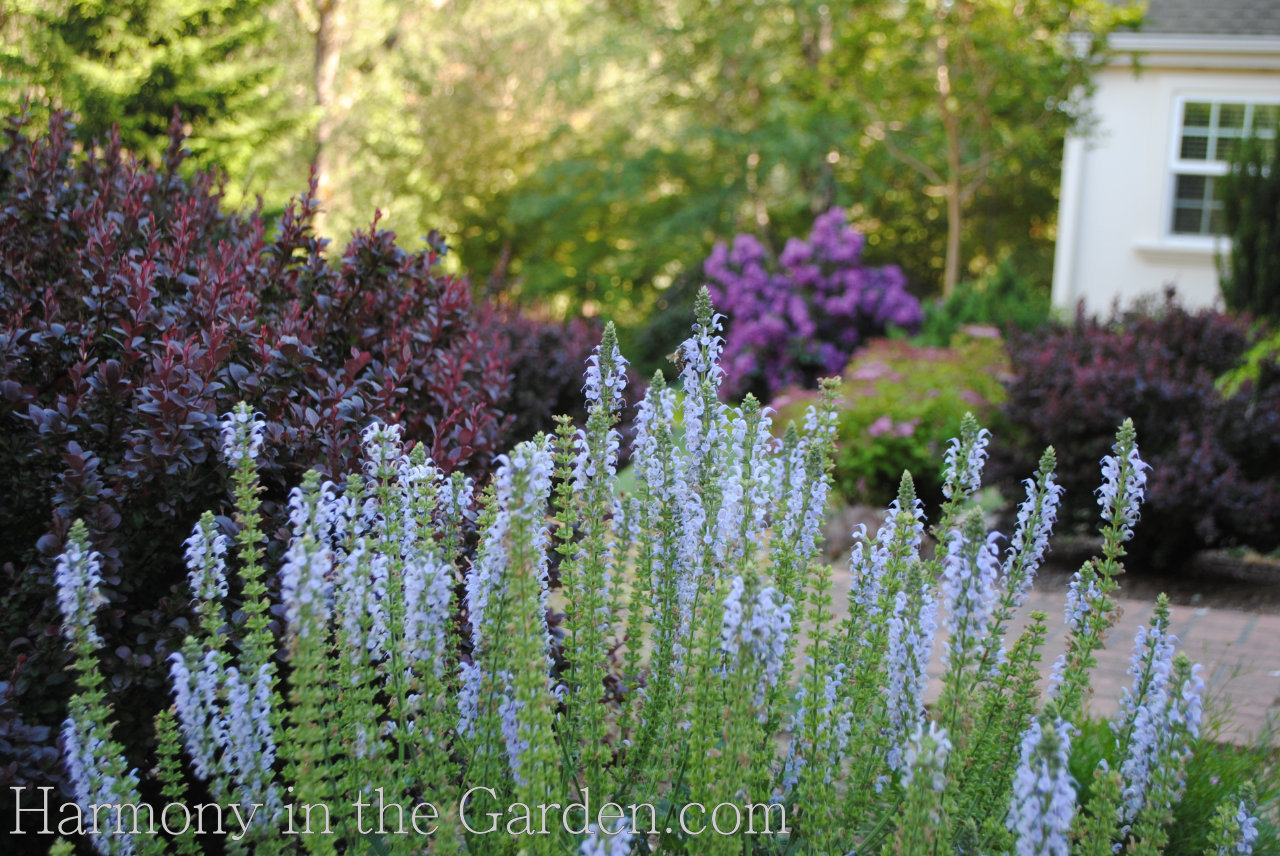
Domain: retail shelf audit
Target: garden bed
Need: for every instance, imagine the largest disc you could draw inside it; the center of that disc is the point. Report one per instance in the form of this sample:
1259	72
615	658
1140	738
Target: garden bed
1242	580
1221	579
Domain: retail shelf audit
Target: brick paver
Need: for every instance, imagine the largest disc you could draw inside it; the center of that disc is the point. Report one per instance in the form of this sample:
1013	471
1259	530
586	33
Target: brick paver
1240	652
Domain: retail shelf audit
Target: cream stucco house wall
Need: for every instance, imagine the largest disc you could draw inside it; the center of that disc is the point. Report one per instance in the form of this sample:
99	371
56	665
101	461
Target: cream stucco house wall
1137	208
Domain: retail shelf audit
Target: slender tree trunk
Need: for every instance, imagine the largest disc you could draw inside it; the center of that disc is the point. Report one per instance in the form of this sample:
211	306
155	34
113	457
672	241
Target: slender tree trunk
329	25
952	190
955	202
951	273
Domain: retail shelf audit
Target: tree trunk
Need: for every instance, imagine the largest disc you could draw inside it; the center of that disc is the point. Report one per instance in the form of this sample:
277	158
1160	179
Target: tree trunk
952	189
951	273
329	24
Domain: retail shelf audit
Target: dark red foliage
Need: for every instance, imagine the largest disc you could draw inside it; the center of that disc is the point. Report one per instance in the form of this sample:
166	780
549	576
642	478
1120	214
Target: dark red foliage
134	312
1215	460
548	359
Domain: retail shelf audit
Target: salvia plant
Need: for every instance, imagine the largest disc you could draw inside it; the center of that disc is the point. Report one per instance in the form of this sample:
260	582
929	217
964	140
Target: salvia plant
708	700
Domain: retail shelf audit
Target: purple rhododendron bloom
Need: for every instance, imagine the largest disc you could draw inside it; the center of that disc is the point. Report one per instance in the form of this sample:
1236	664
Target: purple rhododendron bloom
801	318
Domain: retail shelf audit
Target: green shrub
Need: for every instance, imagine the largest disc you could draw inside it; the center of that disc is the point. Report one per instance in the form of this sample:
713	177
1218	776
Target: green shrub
1251	211
1005	300
899	403
1259	363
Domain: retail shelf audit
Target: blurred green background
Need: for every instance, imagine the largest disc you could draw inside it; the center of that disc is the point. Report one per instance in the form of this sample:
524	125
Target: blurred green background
584	155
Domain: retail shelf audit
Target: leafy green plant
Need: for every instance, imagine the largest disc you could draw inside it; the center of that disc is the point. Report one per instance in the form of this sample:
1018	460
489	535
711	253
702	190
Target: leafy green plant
899	403
1005	299
1251	212
1257	367
1217	774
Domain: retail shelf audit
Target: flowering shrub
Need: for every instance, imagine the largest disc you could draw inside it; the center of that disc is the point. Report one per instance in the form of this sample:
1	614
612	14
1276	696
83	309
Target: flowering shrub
1216	454
133	311
1248	771
801	320
390	726
898	406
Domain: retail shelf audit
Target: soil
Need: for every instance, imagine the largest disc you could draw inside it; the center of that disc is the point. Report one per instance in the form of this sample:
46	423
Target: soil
1183	590
1219	579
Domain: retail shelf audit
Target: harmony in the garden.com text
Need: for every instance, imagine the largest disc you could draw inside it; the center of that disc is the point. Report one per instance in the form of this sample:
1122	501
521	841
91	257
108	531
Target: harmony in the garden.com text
377	815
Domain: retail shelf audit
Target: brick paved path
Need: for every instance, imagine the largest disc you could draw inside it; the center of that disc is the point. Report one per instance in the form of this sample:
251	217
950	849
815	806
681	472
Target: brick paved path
1240	652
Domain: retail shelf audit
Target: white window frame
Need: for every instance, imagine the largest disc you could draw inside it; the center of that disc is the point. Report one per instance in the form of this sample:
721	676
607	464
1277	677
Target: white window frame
1210	168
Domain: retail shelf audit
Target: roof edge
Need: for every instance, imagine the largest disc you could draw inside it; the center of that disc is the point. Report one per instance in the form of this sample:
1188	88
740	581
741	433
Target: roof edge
1251	53
1197	44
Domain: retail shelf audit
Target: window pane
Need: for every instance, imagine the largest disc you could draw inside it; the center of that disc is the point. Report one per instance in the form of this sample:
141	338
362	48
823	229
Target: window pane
1231	116
1213	132
1194	147
1186	221
1264	119
1196	115
1195	209
1191	188
1217	221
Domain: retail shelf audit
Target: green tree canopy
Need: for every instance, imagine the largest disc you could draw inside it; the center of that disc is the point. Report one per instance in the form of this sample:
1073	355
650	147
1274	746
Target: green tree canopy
130	64
1250	191
587	155
939	125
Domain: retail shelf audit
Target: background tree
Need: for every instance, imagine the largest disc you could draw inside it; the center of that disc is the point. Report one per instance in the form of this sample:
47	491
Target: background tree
1250	275
425	112
752	117
936	88
683	125
587	156
130	65
325	21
